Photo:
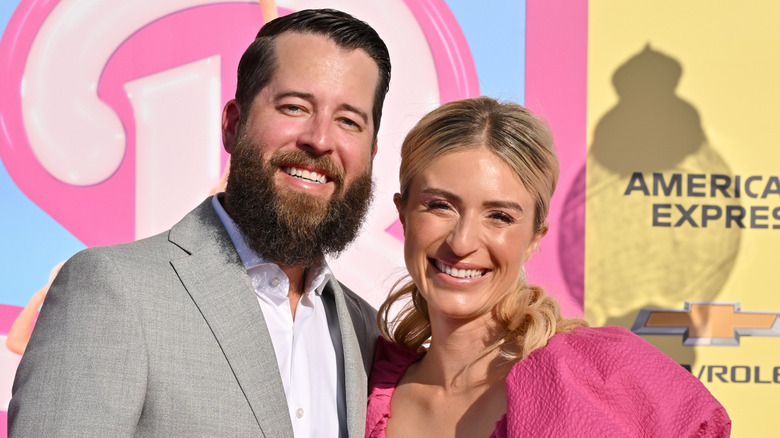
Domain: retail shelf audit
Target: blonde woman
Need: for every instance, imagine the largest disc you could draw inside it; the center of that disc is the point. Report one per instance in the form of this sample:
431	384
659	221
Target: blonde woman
476	351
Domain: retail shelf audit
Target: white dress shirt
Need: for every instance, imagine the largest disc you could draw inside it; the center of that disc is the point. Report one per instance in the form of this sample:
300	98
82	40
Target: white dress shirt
303	347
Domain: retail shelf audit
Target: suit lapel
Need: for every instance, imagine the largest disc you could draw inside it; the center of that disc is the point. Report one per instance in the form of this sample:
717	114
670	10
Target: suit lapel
220	287
354	371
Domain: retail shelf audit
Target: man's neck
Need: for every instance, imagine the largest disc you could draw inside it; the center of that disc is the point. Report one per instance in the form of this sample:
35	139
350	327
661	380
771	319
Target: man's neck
296	275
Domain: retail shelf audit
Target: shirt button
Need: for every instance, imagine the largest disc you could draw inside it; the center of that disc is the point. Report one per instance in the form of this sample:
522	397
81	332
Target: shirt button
275	282
299	412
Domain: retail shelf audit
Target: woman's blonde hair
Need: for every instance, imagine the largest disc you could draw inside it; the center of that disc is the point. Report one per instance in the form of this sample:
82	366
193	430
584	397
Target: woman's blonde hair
526	316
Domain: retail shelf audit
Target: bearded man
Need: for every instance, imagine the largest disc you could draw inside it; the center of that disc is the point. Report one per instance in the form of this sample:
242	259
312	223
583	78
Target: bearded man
231	323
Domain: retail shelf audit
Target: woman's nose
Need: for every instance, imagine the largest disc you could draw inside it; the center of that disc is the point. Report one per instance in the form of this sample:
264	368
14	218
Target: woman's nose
464	237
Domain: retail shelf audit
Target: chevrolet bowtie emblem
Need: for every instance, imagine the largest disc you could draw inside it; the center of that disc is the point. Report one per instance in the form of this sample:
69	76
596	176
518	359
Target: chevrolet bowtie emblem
707	323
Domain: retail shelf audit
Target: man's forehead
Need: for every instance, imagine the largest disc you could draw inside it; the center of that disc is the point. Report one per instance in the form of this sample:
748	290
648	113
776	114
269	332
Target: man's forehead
286	41
305	60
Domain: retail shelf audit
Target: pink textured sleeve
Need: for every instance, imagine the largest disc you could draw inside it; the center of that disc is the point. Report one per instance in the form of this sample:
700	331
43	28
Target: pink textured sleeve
608	382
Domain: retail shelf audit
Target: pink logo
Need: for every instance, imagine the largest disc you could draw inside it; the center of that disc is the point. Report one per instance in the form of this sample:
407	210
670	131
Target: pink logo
110	115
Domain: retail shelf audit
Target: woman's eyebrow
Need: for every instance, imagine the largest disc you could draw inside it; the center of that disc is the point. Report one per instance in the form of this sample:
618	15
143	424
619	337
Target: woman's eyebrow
491	204
503	204
441	192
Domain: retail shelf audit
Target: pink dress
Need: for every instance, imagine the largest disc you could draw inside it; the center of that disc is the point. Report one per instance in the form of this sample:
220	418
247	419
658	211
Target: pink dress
595	382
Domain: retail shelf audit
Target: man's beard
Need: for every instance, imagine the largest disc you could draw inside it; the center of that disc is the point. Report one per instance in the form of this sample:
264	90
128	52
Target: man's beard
292	228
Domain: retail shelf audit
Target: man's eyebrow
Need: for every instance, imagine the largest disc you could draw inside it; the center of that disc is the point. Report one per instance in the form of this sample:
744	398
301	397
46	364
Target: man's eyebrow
357	111
292	93
308	96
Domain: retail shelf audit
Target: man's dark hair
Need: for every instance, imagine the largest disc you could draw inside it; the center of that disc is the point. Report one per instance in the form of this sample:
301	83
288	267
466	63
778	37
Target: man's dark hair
258	64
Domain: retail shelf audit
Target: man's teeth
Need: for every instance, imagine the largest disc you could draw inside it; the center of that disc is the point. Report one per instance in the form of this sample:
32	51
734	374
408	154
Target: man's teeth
459	273
305	174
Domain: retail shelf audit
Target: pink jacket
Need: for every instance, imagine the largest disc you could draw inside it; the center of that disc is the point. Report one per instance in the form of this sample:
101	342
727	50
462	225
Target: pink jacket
595	382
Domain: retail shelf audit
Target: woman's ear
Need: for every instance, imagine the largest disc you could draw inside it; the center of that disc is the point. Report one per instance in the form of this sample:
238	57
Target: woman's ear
534	243
531	247
397	202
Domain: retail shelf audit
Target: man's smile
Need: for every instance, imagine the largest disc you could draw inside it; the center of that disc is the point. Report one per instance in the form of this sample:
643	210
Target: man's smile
305	175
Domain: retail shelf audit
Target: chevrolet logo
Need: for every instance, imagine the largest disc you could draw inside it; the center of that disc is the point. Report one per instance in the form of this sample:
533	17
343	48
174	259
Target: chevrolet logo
707	323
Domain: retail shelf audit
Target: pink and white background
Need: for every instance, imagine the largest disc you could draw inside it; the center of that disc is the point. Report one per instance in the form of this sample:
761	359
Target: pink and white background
109	122
110	132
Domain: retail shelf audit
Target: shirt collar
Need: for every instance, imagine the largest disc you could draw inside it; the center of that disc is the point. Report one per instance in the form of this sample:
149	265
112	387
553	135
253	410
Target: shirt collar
317	276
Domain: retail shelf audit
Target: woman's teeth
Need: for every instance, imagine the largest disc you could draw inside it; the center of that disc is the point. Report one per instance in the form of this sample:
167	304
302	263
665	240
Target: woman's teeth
305	174
459	273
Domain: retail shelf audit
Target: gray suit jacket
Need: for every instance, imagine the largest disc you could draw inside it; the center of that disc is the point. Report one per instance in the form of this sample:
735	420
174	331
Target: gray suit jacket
165	337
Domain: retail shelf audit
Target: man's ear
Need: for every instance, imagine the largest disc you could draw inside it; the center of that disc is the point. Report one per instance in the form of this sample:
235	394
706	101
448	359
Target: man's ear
375	148
231	114
401	217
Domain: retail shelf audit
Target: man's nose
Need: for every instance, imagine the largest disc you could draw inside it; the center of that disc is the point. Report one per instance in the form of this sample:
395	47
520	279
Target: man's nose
317	137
